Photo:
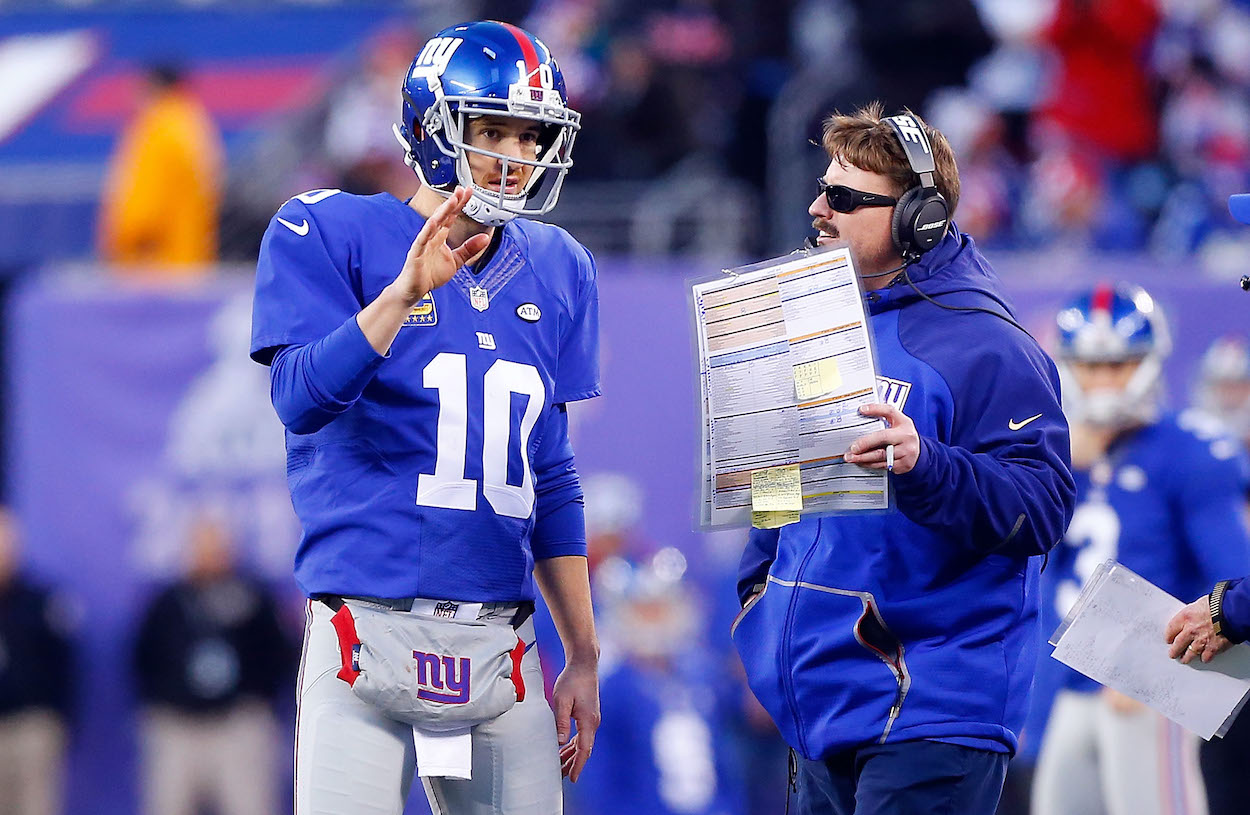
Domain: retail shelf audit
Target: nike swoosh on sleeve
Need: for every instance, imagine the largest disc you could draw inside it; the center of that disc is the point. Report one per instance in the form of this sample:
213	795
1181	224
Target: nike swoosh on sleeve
300	230
1012	424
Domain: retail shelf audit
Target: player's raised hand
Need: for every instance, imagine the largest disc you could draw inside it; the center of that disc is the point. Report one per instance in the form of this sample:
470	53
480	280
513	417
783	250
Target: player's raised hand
576	699
431	260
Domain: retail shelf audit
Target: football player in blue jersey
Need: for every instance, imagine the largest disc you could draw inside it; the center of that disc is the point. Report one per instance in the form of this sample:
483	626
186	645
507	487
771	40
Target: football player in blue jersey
422	355
1224	386
1160	493
895	649
662	749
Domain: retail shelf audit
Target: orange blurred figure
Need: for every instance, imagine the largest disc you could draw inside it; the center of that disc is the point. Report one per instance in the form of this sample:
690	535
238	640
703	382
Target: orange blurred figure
159	208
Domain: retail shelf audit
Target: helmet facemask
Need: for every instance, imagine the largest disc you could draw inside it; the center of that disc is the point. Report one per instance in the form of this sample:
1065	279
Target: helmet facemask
446	124
1137	403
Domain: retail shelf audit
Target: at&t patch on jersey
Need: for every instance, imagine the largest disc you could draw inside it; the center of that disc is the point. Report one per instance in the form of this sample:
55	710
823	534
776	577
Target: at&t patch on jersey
423	313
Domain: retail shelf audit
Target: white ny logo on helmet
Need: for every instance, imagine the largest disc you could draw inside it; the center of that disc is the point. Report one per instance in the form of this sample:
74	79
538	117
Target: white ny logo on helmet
433	59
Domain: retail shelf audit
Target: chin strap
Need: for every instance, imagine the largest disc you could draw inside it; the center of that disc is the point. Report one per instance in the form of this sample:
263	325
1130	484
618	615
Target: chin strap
484	213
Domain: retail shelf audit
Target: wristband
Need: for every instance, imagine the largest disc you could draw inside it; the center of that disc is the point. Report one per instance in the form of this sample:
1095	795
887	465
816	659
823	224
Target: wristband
1216	601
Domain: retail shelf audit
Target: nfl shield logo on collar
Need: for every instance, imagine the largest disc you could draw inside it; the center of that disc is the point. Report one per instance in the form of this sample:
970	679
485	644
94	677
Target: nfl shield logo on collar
478	298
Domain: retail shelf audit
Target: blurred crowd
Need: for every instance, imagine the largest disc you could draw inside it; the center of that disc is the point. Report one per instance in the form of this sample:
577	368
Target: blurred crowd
211	658
1104	125
1108	124
1118	125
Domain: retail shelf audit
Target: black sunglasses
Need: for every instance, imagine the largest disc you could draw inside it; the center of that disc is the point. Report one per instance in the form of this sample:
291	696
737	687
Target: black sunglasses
844	199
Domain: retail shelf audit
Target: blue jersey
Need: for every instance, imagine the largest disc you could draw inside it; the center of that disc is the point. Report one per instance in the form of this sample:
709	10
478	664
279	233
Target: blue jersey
429	480
921	622
661	747
1167	503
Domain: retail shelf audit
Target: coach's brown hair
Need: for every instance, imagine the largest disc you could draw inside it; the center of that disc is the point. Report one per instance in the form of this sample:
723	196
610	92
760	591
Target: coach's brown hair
865	141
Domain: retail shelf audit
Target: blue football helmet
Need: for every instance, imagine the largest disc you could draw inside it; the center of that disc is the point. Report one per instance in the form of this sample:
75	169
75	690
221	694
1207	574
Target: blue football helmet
1224	385
1114	324
485	69
647	609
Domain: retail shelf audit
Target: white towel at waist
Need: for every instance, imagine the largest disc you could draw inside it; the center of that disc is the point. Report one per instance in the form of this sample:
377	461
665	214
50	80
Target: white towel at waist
448	754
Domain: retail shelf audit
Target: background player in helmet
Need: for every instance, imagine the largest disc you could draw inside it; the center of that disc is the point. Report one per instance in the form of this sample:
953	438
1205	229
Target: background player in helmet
664	747
422	354
1224	384
1161	494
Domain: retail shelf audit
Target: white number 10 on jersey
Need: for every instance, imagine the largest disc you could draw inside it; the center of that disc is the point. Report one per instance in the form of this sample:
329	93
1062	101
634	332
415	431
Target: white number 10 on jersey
447	487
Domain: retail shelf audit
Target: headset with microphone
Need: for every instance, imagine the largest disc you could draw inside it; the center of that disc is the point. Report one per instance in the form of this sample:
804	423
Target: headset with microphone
810	243
922	214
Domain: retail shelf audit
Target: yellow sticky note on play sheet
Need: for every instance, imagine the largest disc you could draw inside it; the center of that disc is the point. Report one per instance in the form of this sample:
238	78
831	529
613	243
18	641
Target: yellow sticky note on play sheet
773	520
777	489
816	378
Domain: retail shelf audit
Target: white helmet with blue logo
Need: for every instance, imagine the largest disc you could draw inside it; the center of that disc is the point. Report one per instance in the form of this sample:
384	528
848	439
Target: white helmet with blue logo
1114	324
486	69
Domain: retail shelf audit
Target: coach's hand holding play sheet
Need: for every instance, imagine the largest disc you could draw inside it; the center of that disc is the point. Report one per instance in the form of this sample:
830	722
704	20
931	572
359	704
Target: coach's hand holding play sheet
785	364
1112	635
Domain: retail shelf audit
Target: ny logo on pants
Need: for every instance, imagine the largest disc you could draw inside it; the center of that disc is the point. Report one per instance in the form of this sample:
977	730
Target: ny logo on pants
442	673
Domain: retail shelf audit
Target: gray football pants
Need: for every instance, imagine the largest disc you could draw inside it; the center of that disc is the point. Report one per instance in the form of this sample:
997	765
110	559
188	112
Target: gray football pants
350	759
1097	761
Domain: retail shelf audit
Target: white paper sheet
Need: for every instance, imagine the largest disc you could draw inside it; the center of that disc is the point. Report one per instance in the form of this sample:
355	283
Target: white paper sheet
1114	635
785	363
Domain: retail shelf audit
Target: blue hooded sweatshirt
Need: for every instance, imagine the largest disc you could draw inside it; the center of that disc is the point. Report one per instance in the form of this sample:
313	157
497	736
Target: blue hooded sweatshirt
921	622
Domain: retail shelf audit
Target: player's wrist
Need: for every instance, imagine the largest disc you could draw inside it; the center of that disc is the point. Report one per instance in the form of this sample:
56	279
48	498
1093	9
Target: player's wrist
1215	603
582	656
401	296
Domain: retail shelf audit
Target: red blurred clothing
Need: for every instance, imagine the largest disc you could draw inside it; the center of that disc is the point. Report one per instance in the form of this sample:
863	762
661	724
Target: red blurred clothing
1102	97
